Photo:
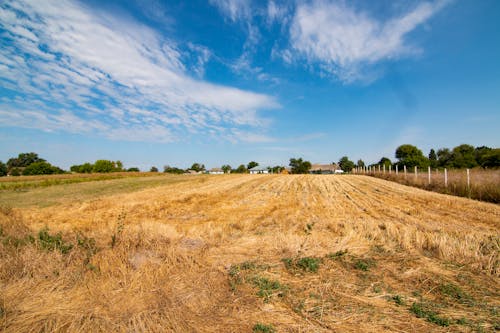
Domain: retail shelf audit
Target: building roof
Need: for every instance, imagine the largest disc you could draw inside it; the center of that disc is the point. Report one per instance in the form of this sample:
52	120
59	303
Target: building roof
259	168
216	170
324	167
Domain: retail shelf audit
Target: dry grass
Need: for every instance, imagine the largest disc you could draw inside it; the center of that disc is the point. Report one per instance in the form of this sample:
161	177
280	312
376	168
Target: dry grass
237	253
484	184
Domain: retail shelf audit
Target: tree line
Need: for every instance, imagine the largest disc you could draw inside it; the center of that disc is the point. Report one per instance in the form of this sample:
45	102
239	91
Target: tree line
461	156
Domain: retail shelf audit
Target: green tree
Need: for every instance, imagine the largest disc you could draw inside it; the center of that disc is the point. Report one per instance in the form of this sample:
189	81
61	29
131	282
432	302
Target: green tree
385	161
133	169
153	169
276	169
41	168
23	160
241	169
174	170
433	159
298	165
411	156
226	168
361	163
444	157
463	156
118	166
252	164
104	166
345	164
83	168
491	159
3	169
15	172
198	167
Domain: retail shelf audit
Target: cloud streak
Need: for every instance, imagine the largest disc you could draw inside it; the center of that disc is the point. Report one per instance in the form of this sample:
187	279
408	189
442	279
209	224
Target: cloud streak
89	72
342	41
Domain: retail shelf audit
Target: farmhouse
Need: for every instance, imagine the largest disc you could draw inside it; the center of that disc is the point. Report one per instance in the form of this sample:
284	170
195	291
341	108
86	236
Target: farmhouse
259	169
325	169
216	171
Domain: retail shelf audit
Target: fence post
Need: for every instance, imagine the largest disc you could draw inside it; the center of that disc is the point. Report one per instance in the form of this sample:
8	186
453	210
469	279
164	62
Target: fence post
416	173
384	168
468	180
397	169
404	166
379	168
429	172
445	178
390	169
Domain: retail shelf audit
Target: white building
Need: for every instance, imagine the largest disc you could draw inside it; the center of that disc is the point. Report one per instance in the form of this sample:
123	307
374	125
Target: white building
258	169
216	171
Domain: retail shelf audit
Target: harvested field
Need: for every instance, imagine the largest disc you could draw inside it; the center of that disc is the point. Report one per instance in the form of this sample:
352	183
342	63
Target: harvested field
243	253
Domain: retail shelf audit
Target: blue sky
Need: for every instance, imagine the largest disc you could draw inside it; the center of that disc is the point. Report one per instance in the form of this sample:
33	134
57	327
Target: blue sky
230	81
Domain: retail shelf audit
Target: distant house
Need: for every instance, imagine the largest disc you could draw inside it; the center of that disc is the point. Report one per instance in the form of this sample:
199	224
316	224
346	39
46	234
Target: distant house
216	171
258	169
193	172
325	169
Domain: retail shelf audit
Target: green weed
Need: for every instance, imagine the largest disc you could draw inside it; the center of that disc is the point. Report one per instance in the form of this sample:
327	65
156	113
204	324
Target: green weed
337	255
263	328
306	264
422	311
53	242
268	288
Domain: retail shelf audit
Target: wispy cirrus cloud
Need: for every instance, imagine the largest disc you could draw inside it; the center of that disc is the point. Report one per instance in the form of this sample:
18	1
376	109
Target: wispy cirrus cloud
70	68
343	41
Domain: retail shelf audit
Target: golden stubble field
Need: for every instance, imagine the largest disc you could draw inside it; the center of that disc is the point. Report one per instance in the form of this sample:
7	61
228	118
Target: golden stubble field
243	253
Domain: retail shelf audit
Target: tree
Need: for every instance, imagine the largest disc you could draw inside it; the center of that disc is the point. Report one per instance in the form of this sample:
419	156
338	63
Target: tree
411	156
3	169
23	160
252	164
15	172
345	164
240	169
169	169
197	167
361	163
444	157
299	166
433	159
153	169
491	159
463	156
384	161
41	168
276	169
104	166
133	169
119	166
83	168
226	168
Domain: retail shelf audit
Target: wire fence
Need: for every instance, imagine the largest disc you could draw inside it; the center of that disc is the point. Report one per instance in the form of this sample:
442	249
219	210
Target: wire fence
479	184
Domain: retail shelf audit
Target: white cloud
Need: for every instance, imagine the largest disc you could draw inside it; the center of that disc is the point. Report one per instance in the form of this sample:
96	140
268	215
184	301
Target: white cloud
234	9
121	78
342	40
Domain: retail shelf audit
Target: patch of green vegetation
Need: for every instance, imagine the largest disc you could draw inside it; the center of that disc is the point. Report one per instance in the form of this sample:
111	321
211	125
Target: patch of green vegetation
306	264
267	288
53	242
263	328
455	292
235	270
398	299
421	310
337	255
462	321
364	265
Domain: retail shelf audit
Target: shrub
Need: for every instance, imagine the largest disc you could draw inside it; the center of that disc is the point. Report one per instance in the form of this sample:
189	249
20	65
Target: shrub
263	328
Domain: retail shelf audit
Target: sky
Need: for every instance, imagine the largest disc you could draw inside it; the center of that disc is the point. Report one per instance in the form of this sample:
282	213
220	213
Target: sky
154	83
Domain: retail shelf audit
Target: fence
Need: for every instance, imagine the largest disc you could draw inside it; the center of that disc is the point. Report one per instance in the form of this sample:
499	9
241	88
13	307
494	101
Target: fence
477	184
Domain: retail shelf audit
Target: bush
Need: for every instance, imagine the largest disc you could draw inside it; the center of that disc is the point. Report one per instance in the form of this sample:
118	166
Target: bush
41	168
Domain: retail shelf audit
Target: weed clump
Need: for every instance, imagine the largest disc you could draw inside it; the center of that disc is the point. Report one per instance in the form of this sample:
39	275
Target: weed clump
363	265
263	328
268	288
53	242
422	311
306	264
